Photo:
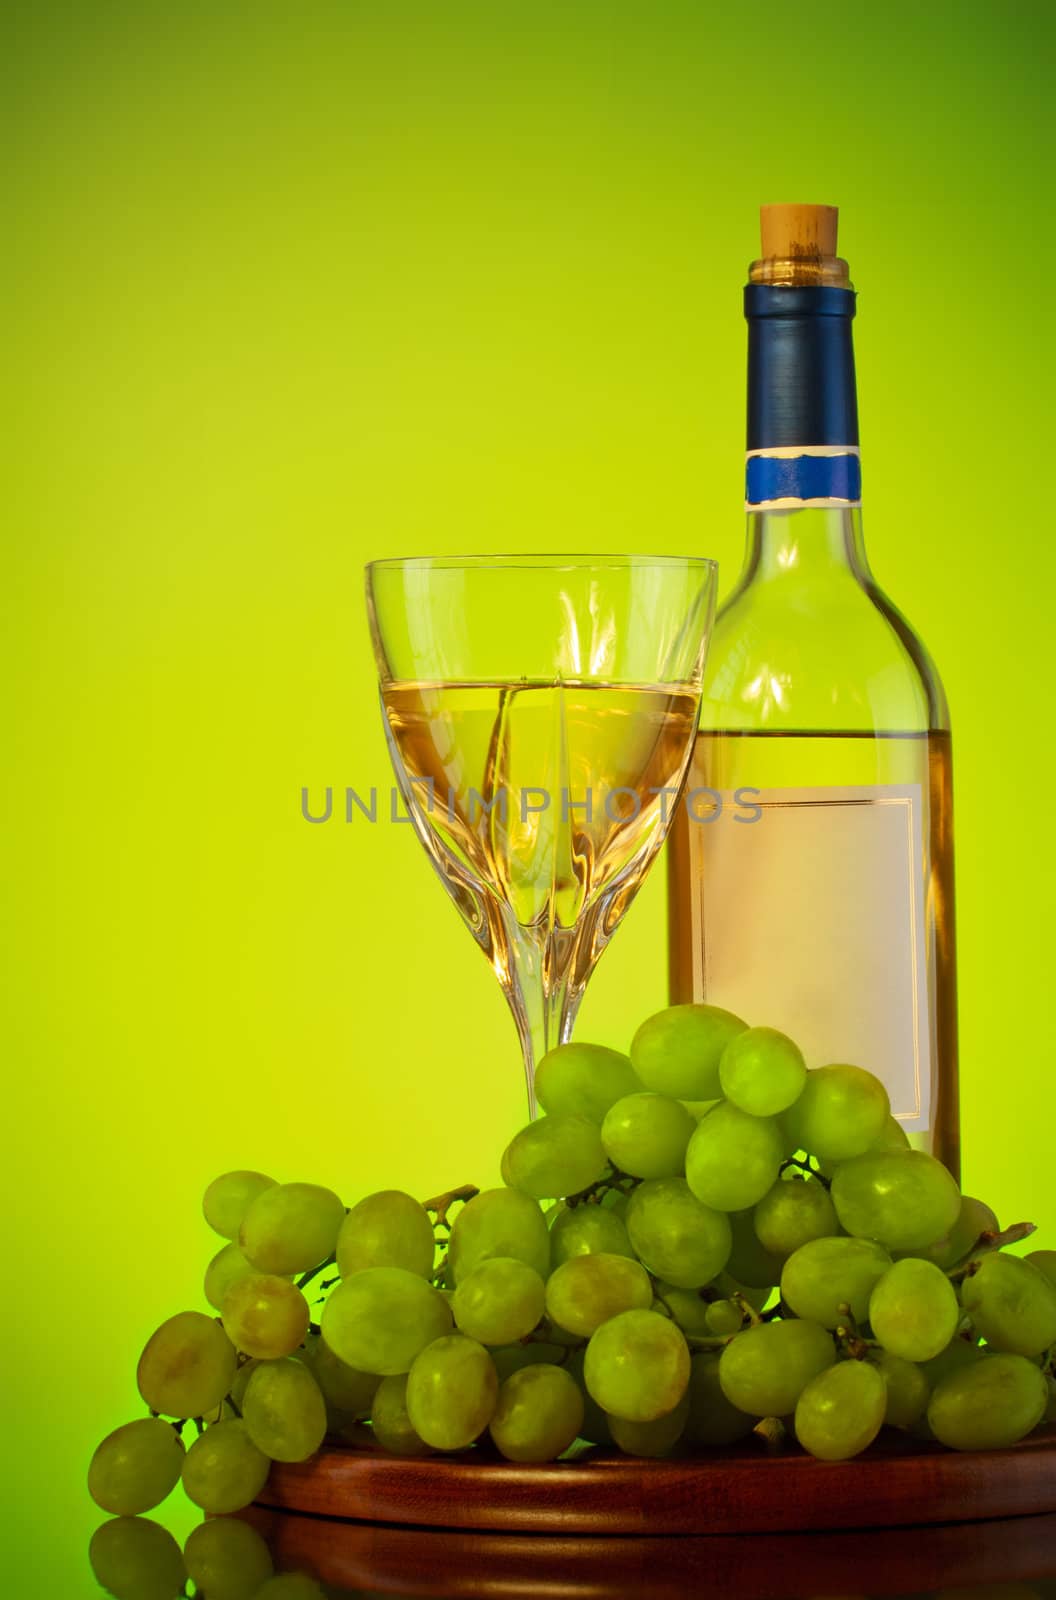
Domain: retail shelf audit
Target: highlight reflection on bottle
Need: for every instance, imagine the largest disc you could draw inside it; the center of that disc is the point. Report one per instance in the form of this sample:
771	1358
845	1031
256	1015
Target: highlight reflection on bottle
832	916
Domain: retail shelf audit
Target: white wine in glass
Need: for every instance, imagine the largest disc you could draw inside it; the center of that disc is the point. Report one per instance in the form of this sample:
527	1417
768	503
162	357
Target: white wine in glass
541	796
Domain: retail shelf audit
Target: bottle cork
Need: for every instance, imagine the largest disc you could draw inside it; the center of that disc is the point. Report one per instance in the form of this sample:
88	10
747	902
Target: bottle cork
799	247
798	230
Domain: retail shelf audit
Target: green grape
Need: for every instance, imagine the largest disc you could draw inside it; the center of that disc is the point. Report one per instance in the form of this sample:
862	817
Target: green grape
765	1369
826	1274
555	1156
726	1286
750	1262
651	1439
1012	1304
136	1559
511	1358
381	1318
713	1420
347	1391
265	1316
451	1392
290	1586
240	1380
989	1404
902	1198
387	1229
974	1219
393	1428
291	1227
499	1301
1044	1260
186	1366
224	1270
677	1237
588	1290
892	1136
677	1051
841	1411
585	1230
958	1354
583	1080
839	1114
284	1410
762	1071
733	1158
696	1310
136	1467
908	1389
687	1308
538	1414
1050	1408
229	1197
224	1470
913	1310
499	1222
227	1559
723	1318
595	1425
791	1213
646	1135
637	1366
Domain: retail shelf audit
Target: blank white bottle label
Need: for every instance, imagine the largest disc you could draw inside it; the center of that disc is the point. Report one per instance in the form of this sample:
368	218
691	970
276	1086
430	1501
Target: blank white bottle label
812	920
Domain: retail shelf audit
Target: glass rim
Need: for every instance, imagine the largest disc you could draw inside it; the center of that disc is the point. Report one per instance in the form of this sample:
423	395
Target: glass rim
554	560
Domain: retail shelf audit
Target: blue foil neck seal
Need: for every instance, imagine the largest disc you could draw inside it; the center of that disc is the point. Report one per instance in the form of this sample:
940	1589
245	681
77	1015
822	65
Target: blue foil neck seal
801	388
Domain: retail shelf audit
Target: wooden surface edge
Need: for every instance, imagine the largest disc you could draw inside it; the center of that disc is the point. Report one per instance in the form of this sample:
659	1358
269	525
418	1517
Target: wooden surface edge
707	1495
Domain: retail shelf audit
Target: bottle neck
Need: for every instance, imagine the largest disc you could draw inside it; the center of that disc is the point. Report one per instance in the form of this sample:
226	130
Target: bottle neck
803	454
807	543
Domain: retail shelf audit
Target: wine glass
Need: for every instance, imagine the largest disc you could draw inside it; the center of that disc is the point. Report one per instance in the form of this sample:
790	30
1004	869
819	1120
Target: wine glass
540	712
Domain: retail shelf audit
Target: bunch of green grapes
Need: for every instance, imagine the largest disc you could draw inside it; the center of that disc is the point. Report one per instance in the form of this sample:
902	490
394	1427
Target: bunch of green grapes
698	1239
806	1266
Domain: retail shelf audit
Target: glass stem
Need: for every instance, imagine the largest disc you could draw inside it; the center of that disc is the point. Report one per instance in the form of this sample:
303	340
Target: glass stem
542	996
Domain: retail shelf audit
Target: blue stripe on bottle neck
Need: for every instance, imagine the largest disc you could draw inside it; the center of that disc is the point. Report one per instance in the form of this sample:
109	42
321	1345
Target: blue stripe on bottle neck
786	481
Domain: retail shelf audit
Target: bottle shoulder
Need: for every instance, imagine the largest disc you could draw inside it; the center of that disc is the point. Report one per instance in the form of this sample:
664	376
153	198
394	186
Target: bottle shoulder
833	652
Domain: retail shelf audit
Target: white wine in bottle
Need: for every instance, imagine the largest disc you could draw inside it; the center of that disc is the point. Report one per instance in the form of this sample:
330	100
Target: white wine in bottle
811	866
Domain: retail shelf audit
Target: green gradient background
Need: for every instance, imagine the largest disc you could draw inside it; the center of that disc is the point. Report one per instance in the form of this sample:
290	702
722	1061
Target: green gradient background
293	287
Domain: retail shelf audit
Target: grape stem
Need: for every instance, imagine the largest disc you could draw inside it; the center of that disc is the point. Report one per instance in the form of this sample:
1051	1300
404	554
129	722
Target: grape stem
807	1170
847	1336
772	1432
622	1182
968	1265
746	1310
441	1204
306	1278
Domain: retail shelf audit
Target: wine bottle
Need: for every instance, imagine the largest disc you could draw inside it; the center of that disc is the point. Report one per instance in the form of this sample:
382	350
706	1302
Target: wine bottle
811	863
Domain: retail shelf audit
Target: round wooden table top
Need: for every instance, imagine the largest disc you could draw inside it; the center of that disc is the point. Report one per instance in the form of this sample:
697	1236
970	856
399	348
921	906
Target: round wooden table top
744	1490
